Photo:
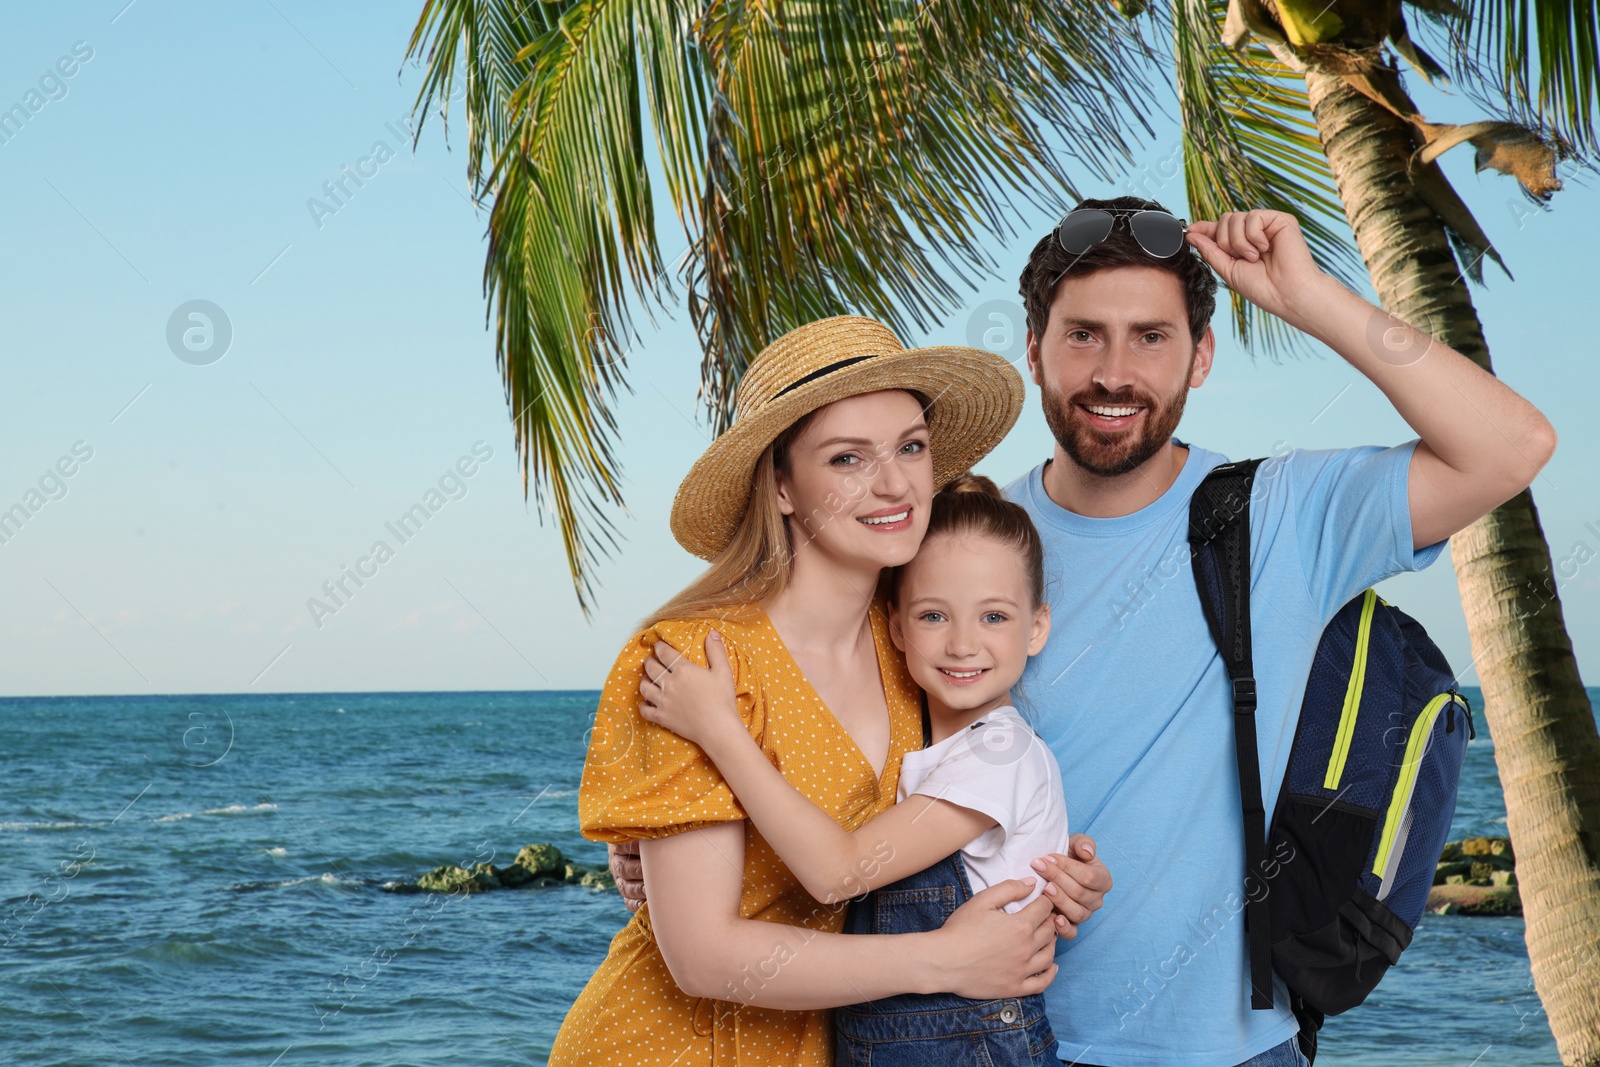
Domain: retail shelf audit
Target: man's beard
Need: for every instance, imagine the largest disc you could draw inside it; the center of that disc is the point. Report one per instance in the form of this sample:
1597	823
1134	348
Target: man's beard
1105	454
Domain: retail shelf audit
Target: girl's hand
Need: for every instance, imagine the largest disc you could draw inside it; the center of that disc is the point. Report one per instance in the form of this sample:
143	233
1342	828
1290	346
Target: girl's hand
1076	884
991	953
693	702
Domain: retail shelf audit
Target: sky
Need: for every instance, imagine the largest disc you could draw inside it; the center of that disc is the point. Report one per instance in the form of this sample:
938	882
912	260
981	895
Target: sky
219	478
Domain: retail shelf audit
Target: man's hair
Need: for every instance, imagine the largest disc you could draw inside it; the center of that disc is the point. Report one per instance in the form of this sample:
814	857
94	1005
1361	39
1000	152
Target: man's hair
1049	263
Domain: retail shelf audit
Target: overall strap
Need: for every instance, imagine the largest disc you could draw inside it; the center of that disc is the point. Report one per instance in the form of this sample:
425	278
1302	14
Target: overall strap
1219	540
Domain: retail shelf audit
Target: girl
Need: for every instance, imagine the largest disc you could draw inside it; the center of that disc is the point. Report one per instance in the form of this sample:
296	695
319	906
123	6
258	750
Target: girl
976	806
821	484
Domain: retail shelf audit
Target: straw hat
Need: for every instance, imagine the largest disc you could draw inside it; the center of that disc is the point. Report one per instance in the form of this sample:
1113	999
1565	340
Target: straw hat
976	398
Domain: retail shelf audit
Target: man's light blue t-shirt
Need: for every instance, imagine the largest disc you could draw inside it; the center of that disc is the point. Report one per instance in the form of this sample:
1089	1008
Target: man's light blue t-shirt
1132	697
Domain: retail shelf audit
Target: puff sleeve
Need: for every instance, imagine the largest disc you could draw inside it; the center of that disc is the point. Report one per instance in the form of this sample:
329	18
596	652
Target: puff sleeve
641	780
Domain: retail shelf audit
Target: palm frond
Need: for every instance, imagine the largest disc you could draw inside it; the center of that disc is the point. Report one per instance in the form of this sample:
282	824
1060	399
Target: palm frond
1250	141
473	45
554	98
1535	62
863	153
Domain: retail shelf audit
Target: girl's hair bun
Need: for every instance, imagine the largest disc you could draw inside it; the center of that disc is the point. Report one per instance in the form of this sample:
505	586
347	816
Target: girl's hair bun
967	482
973	504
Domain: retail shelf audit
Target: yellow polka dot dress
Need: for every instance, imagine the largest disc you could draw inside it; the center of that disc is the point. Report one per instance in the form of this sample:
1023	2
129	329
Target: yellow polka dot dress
642	781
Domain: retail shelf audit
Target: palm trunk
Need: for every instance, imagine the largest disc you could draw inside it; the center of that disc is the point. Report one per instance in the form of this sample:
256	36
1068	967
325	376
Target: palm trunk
1545	742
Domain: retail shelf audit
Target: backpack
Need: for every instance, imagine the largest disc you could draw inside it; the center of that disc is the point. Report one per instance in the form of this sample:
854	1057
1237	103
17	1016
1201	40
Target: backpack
1370	790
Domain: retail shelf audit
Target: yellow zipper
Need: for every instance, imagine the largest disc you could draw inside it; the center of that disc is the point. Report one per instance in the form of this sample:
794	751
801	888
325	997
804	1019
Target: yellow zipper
1415	745
1352	694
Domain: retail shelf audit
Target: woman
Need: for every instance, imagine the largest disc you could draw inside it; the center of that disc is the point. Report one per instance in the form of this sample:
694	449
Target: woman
822	483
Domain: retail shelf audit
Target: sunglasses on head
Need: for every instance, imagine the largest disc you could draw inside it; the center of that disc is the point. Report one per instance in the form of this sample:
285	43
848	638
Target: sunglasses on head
1159	232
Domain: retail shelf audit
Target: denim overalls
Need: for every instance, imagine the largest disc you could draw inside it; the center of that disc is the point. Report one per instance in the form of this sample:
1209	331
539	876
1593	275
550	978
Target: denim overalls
916	1029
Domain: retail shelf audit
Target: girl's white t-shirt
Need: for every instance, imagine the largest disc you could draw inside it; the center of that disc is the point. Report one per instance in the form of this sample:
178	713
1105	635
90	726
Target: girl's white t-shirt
998	766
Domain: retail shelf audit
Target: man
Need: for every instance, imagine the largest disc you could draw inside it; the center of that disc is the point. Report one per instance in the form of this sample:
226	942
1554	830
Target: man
1130	692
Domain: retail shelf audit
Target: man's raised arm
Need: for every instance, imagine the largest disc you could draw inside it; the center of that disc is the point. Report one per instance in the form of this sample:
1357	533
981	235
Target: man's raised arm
1481	443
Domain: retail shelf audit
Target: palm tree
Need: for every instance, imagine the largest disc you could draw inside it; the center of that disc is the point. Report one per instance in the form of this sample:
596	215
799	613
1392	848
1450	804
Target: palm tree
1271	90
855	156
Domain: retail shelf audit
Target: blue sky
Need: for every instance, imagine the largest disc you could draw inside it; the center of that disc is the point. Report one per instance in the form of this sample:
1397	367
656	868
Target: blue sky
176	164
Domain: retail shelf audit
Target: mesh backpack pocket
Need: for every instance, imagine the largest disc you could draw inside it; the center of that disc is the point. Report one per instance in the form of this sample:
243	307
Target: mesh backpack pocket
1366	802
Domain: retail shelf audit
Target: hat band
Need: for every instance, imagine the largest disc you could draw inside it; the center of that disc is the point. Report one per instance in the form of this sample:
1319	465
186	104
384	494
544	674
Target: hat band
814	375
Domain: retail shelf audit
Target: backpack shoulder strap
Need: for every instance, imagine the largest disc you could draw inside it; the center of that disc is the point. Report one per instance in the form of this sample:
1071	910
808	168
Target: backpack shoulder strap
1219	543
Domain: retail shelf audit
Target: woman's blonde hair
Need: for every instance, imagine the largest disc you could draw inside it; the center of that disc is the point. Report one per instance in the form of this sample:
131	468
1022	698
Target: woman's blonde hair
758	563
755	566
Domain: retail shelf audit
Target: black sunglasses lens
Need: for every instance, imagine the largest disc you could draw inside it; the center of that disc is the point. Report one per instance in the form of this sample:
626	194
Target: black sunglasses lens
1158	233
1081	230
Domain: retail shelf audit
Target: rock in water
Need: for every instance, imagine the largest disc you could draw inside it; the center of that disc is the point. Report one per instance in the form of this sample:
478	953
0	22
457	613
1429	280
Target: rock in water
456	880
1479	847
536	866
1476	876
598	879
541	859
1474	900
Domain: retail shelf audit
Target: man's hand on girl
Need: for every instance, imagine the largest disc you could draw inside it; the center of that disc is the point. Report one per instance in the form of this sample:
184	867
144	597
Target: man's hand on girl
628	871
696	703
1075	884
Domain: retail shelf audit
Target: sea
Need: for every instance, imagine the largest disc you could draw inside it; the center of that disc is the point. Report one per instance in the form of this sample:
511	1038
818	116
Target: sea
196	880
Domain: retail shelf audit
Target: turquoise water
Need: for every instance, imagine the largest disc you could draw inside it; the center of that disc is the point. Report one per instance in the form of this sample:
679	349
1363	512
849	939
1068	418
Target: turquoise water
198	880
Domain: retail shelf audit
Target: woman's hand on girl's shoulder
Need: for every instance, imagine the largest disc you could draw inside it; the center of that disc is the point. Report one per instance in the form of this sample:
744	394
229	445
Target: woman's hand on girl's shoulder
696	703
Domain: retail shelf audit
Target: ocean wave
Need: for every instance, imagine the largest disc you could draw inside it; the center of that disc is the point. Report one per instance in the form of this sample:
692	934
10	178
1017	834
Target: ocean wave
327	878
183	952
50	825
203	949
231	809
